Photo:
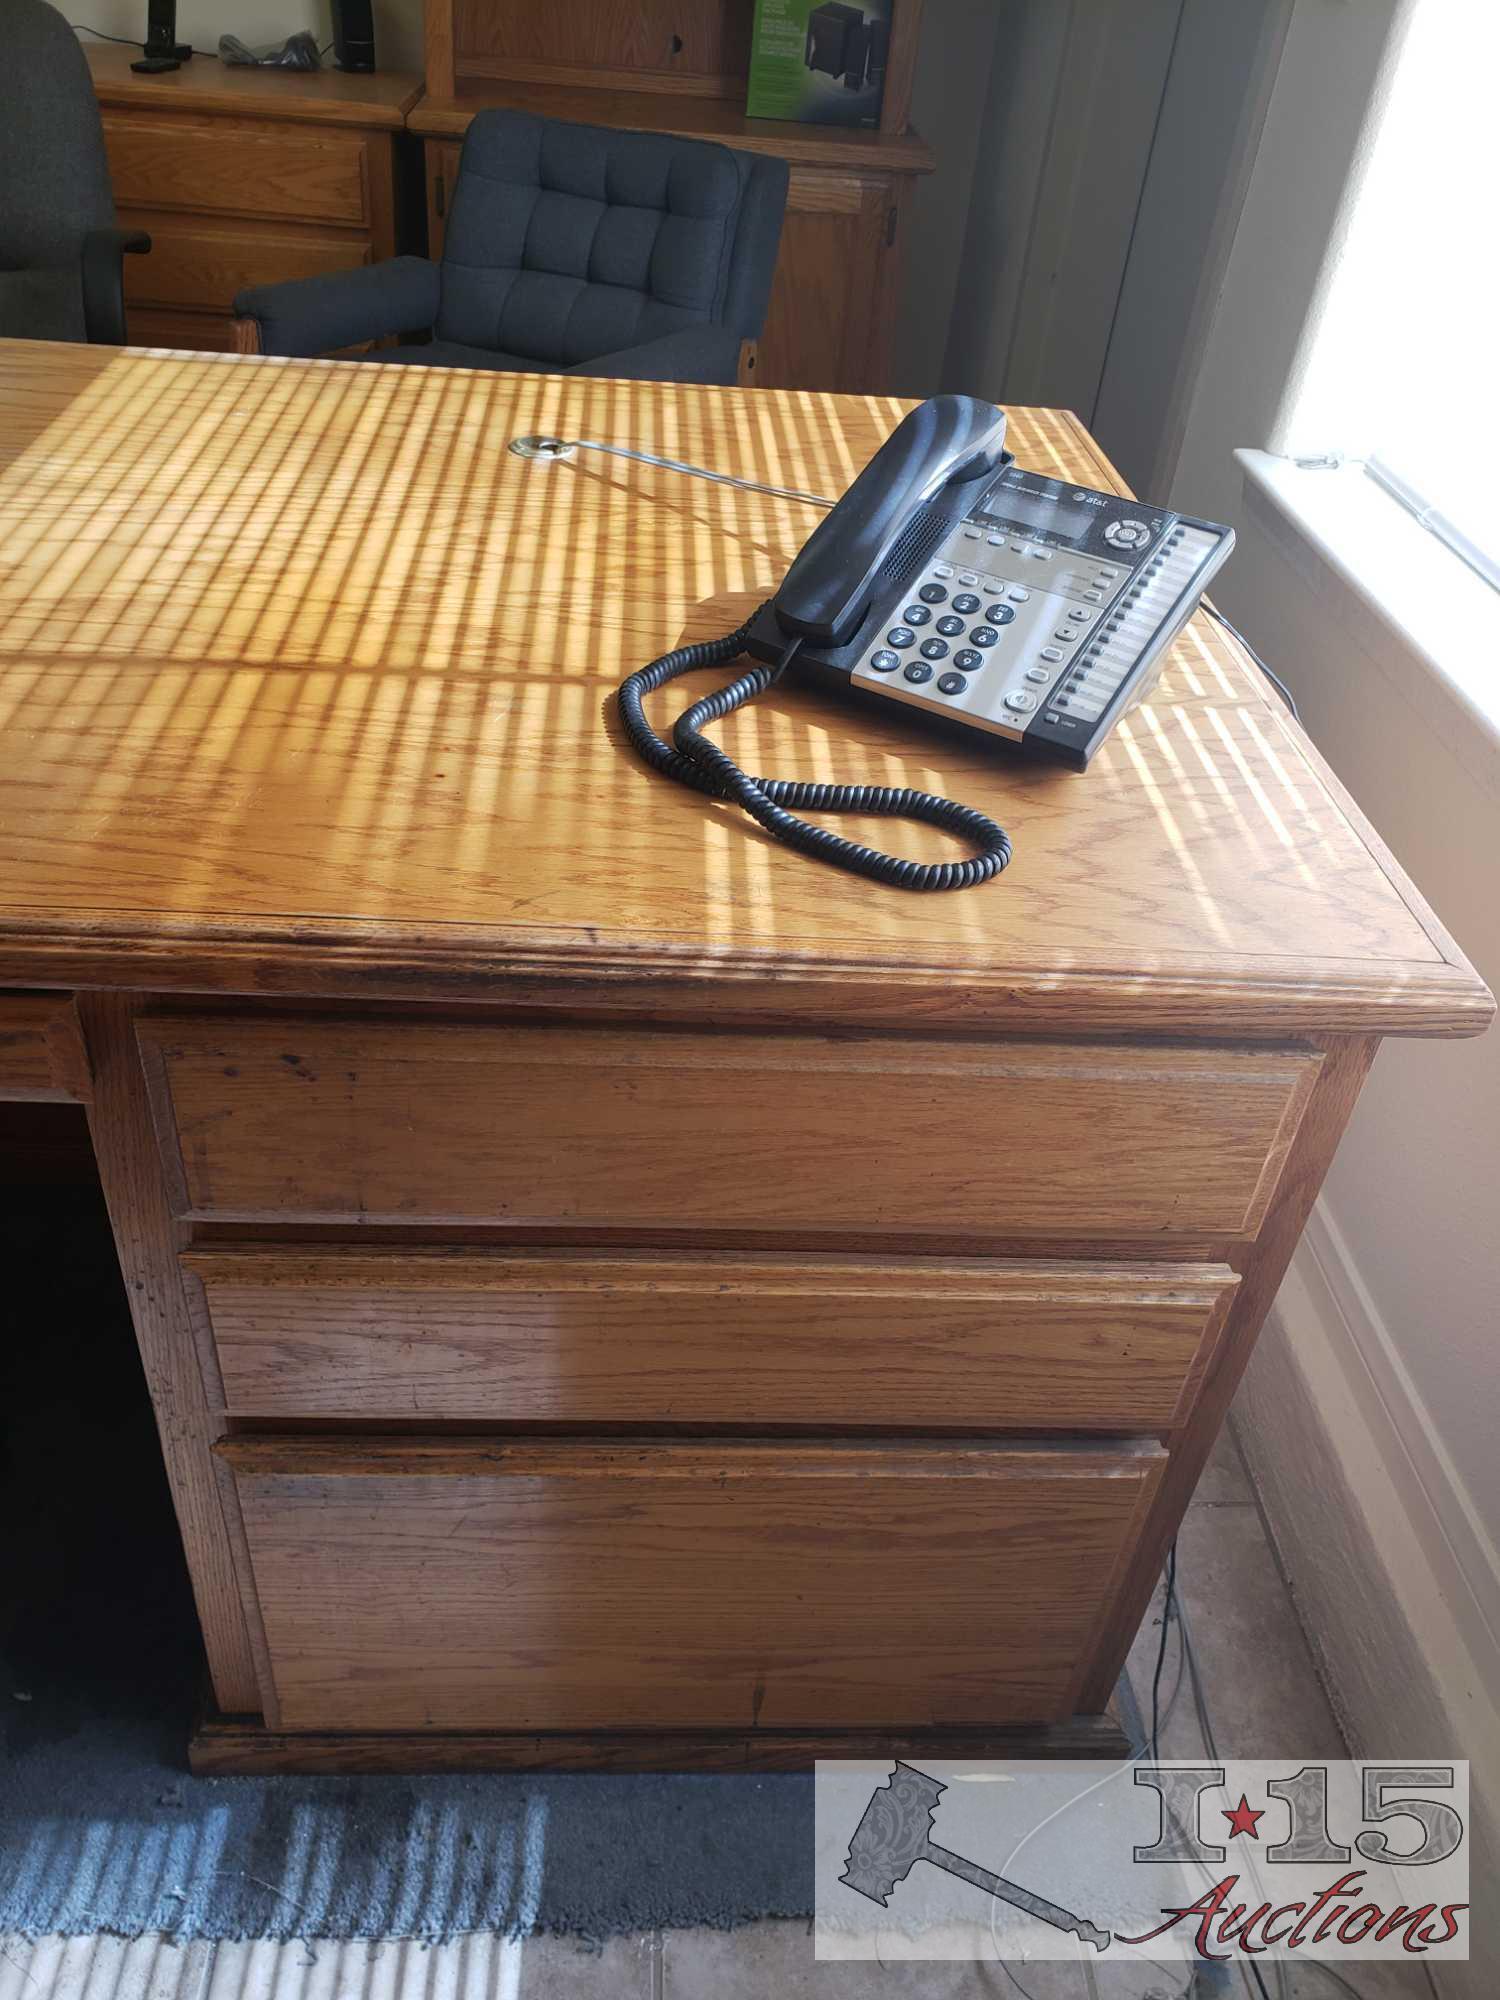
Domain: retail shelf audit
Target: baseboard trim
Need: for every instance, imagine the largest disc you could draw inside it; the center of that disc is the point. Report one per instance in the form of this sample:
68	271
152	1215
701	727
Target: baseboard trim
1464	1558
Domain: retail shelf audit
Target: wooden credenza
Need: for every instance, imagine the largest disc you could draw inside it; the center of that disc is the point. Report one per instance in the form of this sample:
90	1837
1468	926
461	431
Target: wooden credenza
244	177
614	1292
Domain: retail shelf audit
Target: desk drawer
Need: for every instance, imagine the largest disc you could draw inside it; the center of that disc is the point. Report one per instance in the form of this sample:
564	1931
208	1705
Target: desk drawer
568	1586
320	1120
567	1337
224	167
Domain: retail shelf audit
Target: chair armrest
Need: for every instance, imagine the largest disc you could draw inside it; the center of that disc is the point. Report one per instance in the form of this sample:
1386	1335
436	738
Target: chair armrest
692	354
310	316
102	275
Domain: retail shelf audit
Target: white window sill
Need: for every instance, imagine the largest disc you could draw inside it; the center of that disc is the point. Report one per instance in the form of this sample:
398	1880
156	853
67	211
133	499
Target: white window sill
1431	621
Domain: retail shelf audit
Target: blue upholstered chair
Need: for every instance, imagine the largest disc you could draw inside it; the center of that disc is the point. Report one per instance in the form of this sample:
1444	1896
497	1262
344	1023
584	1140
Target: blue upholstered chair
61	275
571	249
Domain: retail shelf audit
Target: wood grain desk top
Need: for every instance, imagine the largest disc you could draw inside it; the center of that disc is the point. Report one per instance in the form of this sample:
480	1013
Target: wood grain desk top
306	687
325	96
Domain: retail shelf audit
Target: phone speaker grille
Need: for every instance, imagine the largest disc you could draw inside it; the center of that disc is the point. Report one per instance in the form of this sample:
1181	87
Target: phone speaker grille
926	531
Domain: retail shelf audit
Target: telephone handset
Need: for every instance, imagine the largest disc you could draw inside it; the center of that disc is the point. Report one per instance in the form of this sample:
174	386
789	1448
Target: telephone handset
929	463
971	591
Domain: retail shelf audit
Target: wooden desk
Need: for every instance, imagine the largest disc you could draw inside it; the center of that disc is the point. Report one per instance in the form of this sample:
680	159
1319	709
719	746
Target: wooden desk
245	177
613	1291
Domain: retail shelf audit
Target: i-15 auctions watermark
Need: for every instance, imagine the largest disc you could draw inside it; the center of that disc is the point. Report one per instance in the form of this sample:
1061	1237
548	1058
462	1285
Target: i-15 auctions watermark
1233	1860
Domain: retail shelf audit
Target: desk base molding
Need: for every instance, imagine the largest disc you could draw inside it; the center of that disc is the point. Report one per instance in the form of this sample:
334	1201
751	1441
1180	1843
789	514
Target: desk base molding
237	1746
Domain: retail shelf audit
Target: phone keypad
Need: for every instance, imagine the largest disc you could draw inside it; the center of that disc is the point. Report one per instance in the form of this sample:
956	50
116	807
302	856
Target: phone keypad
1004	653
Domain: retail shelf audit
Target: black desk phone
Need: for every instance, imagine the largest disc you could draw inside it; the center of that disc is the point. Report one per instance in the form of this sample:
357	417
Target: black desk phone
950	580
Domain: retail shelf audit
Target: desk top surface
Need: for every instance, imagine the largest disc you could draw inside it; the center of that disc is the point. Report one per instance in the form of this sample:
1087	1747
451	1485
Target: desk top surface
306	687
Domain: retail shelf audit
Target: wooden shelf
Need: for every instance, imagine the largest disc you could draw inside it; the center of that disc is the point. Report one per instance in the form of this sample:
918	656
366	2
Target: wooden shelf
380	100
684	117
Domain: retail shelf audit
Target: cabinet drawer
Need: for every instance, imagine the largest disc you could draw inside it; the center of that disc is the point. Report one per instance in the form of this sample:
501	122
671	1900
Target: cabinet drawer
225	168
322	1120
201	268
567	1586
564	1337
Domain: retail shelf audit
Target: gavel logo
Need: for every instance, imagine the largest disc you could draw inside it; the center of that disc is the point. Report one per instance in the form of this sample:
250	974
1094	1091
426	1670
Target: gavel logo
894	1834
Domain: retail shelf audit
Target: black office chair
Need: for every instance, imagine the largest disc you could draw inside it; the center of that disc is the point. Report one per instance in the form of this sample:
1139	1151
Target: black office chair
61	255
571	249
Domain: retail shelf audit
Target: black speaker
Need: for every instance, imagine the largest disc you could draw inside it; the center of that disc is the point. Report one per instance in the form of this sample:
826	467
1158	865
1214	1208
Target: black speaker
827	32
353	34
879	34
162	48
856	48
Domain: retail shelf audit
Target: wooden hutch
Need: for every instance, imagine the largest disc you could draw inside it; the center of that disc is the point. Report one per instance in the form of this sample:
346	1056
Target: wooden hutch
681	66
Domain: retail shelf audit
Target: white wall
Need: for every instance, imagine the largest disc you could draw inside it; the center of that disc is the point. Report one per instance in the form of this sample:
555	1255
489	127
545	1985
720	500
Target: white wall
1372	1407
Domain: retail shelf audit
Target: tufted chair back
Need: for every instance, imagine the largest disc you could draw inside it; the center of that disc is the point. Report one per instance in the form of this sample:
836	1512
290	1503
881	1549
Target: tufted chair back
569	241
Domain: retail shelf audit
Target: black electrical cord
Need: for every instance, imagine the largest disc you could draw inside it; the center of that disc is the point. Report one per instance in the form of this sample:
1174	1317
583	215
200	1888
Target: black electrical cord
698	763
1274	678
1168	1612
125	41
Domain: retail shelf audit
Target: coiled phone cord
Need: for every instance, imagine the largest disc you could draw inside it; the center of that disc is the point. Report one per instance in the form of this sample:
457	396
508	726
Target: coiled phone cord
706	768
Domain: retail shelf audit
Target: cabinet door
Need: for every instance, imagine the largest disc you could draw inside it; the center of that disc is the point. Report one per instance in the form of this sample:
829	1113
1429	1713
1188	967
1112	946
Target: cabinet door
584	1585
829	322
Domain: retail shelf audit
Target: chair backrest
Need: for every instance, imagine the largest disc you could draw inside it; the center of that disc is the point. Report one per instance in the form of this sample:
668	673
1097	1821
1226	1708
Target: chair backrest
54	176
566	242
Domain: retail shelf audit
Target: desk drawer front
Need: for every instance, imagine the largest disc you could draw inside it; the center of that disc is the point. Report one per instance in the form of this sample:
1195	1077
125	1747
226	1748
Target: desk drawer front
319	1120
199	268
222	168
552	1586
560	1337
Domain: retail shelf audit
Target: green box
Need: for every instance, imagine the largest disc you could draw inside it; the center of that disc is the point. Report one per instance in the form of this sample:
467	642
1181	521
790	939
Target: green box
821	62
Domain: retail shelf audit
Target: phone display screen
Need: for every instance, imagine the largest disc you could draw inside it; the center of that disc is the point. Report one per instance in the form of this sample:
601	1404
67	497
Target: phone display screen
1038	510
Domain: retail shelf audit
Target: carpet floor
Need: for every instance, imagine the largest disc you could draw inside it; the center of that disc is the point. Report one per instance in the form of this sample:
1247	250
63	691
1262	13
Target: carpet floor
101	1826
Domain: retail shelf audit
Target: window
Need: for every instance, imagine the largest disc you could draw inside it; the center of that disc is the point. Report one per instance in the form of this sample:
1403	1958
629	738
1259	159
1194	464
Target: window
1401	363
